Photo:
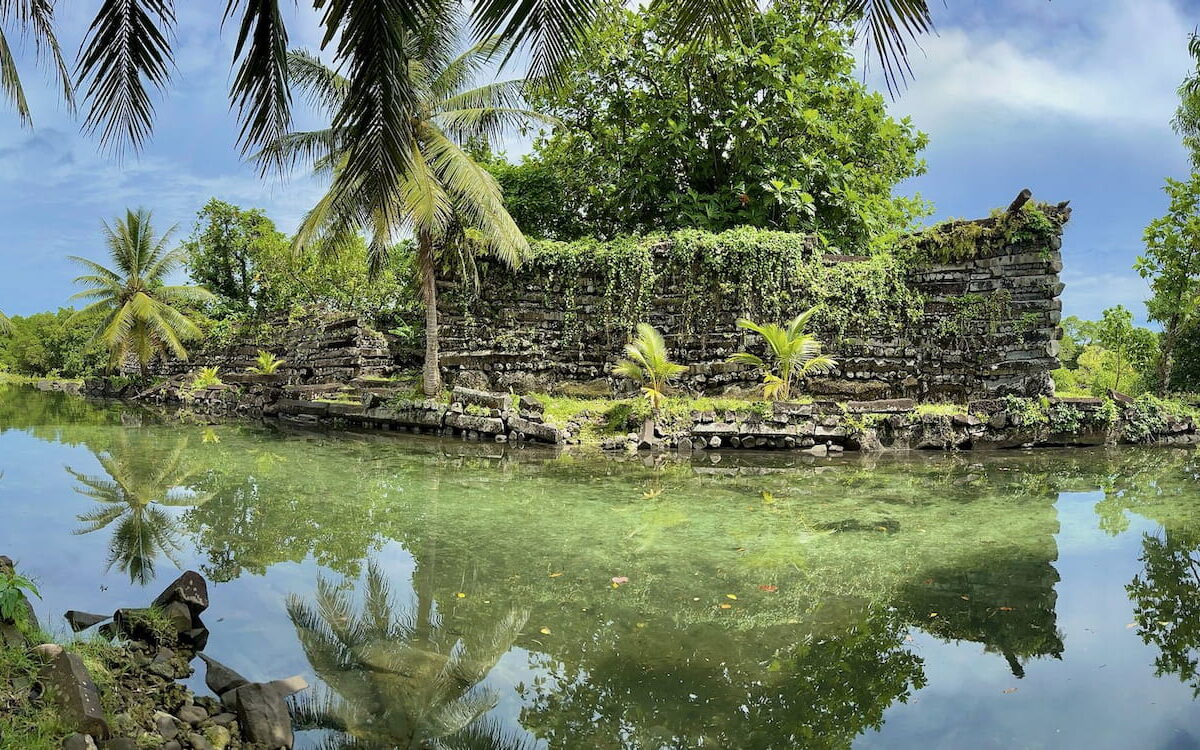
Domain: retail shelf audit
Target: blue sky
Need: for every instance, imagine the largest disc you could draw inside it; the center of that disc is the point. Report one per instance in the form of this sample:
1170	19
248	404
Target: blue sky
1071	98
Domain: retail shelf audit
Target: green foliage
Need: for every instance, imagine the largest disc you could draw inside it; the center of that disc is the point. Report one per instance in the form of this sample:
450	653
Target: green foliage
144	316
266	363
1033	226
969	309
648	364
207	378
54	344
13	586
1110	353
257	274
793	354
1146	417
1172	264
1187	115
659	137
765	274
225	250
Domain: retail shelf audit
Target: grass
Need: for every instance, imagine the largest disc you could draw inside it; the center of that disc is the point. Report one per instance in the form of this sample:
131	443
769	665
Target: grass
939	410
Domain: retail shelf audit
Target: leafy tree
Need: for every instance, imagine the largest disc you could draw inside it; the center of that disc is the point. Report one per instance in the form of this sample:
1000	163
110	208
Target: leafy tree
127	56
768	127
226	248
793	354
1187	116
144	316
453	205
648	364
5	324
52	343
1165	606
1172	263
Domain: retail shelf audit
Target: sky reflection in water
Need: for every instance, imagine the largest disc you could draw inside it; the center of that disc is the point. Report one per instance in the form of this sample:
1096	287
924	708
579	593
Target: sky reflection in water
1014	600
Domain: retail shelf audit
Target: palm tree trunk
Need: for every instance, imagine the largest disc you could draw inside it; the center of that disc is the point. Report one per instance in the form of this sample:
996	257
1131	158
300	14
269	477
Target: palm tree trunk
431	372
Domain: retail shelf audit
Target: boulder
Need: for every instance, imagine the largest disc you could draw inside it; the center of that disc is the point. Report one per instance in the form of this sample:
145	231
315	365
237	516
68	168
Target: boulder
79	742
219	678
486	399
542	433
80	621
190	589
262	711
71	685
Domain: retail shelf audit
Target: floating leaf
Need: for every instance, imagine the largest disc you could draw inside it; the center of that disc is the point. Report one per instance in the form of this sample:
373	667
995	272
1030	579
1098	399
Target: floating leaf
731	596
768	498
768	588
544	631
555	575
965	598
726	606
933	614
1005	609
620	579
461	595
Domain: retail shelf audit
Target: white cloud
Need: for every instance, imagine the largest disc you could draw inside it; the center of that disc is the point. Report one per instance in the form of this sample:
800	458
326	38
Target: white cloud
1110	63
1086	294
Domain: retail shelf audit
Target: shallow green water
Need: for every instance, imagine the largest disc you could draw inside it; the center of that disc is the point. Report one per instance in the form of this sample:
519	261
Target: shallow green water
1011	600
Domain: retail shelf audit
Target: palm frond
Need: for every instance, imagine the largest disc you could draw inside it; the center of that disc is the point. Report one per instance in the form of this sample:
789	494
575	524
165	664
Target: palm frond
260	88
126	51
550	29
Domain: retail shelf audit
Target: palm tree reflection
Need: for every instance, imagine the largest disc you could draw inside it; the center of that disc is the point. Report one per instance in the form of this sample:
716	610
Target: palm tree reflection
141	479
395	681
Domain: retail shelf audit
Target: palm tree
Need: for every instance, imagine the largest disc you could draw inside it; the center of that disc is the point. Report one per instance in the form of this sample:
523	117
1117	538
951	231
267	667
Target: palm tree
393	681
34	20
452	204
648	364
127	55
794	354
139	481
142	317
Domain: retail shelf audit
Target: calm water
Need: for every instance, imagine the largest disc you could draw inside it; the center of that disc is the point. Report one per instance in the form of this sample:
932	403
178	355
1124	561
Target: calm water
1044	600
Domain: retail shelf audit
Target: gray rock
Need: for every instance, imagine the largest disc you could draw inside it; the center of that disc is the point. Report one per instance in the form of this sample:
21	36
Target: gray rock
171	745
198	742
262	712
83	620
219	678
120	743
166	725
224	719
79	742
485	399
193	715
68	680
189	588
218	737
714	442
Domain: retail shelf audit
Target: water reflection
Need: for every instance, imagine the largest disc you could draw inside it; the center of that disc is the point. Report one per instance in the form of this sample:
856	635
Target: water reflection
395	677
142	478
763	601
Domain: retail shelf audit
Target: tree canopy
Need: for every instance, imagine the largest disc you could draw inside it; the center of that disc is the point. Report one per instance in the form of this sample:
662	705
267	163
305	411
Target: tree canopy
769	127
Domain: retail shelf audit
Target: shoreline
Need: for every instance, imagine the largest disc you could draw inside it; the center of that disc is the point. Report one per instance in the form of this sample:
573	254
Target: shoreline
816	428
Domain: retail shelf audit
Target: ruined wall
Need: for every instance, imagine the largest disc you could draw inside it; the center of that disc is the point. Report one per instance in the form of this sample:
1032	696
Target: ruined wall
968	309
317	351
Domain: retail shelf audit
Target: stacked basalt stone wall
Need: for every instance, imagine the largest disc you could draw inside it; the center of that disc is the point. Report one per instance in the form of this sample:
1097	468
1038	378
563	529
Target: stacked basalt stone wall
987	324
320	351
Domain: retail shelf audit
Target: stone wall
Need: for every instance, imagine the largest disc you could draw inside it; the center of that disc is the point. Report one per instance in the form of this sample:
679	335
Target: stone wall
320	351
985	321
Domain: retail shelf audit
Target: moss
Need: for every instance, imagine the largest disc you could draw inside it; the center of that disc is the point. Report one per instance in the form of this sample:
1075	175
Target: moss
940	410
957	240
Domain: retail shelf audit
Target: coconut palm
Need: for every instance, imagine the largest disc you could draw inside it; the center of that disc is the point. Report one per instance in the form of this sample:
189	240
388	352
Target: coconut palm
33	20
451	204
648	364
142	316
393	681
140	480
793	354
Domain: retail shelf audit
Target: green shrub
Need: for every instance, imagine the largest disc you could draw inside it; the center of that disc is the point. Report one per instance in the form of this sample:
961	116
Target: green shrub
207	378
